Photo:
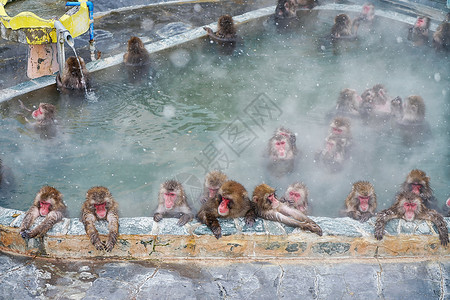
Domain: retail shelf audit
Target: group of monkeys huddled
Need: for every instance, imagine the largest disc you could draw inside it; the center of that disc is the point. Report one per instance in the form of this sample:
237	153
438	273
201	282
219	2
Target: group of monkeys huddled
223	198
346	29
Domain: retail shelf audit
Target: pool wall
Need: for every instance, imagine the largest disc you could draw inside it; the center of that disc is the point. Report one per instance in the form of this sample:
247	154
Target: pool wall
142	238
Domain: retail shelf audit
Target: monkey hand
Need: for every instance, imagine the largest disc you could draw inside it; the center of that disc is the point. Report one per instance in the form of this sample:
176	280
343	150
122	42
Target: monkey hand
249	221
444	240
208	30
157	217
25	234
184	219
99	245
365	217
217	232
378	235
109	246
316	229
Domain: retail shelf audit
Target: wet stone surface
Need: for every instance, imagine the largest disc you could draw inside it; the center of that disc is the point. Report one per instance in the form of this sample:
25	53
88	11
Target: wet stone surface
42	279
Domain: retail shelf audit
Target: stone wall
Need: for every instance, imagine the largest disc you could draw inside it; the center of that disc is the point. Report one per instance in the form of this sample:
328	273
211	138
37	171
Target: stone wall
141	238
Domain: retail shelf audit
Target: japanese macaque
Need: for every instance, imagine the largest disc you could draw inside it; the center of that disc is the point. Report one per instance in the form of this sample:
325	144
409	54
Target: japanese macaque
226	31
409	206
296	196
286	9
334	153
268	207
100	205
418	34
340	128
213	181
231	201
136	54
361	202
418	182
413	110
446	208
75	76
366	16
44	117
375	104
441	37
49	204
348	103
172	203
282	152
342	28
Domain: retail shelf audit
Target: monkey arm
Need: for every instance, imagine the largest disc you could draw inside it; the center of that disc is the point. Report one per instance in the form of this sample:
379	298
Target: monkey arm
438	220
51	219
88	220
211	221
365	216
113	228
250	215
274	215
159	213
30	216
354	214
186	214
383	217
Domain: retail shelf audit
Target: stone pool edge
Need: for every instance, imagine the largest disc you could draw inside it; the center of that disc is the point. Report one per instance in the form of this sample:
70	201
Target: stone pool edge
143	239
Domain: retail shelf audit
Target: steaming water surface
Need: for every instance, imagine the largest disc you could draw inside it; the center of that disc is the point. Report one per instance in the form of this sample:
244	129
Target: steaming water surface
179	120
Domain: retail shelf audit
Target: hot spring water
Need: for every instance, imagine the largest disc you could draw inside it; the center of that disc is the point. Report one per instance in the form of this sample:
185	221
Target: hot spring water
198	110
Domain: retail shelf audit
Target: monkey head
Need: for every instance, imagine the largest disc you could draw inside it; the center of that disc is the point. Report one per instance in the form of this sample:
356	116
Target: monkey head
99	200
280	147
297	195
409	205
45	111
415	108
364	194
342	19
226	25
417	182
135	45
213	181
46	199
348	99
340	126
172	193
286	9
264	197
422	23
74	67
230	195
368	12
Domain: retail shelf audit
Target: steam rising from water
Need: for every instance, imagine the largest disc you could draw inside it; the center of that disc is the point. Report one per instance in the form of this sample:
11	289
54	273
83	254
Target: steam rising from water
138	135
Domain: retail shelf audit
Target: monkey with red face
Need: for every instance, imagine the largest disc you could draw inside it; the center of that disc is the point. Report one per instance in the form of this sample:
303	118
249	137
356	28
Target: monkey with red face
282	152
213	182
173	203
419	33
48	203
296	196
268	207
418	182
231	201
409	206
100	205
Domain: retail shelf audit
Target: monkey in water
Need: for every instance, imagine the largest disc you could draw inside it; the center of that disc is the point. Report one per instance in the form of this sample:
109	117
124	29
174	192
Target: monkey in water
418	182
286	9
44	117
268	207
282	150
348	103
172	202
342	28
213	182
226	31
361	202
366	17
334	154
418	34
231	201
49	204
409	206
441	37
412	124
136	55
296	196
75	76
100	205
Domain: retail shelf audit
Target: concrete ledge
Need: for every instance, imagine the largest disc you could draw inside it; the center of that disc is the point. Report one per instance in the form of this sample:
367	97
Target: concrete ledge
141	238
